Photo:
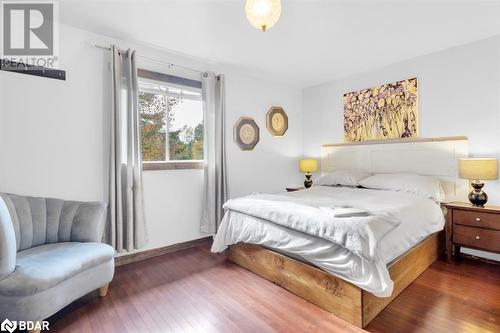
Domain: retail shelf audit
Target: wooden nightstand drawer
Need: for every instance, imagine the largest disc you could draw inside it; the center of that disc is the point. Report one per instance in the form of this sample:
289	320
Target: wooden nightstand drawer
487	239
476	219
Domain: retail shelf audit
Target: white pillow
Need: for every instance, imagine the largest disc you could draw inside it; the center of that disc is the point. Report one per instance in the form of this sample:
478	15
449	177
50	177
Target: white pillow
425	186
344	177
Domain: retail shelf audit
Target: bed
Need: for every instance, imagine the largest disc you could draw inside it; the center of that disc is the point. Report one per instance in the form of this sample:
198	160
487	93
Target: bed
279	238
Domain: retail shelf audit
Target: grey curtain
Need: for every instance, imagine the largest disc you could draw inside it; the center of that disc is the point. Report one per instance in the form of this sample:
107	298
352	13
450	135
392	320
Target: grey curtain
215	189
127	228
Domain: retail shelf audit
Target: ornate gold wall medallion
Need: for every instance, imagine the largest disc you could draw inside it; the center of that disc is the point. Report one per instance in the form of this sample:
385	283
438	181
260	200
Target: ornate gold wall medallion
277	121
246	133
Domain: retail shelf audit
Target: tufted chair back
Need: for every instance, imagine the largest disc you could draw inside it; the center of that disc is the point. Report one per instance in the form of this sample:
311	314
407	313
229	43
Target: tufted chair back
38	221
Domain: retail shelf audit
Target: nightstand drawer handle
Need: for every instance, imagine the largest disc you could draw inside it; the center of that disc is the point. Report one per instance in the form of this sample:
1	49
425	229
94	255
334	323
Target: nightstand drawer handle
478	219
477	237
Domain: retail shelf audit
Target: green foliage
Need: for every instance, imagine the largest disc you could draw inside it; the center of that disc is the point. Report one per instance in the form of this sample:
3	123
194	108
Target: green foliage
157	112
187	143
197	148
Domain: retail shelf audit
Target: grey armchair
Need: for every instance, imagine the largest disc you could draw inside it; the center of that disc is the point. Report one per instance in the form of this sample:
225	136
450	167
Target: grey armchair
50	255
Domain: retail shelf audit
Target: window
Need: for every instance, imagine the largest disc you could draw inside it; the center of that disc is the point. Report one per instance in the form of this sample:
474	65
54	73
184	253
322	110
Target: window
171	113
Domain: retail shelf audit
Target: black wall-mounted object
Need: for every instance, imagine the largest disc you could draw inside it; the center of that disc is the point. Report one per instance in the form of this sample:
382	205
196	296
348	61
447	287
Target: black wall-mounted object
17	67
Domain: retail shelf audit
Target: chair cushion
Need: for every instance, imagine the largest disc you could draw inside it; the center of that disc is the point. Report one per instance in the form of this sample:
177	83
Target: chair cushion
43	267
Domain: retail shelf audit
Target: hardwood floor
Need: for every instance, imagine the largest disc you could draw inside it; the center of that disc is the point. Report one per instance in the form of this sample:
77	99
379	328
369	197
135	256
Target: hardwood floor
195	291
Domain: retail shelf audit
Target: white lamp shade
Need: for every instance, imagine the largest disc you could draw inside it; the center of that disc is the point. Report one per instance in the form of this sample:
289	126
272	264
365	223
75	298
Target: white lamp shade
478	168
263	14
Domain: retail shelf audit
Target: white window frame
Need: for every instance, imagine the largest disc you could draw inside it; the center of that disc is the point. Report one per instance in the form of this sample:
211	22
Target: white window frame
170	164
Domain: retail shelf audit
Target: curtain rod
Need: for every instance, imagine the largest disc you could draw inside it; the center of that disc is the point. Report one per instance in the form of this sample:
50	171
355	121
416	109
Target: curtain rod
169	64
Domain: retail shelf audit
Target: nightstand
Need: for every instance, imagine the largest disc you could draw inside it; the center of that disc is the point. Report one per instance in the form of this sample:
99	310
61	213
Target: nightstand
473	227
293	189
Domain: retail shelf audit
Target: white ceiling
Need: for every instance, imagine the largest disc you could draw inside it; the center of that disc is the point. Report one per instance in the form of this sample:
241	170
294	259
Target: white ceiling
314	41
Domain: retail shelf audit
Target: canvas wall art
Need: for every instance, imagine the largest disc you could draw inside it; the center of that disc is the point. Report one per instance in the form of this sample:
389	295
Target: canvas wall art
389	111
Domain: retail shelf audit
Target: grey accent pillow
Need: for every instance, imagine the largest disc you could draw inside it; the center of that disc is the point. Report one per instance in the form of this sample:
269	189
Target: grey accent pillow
7	242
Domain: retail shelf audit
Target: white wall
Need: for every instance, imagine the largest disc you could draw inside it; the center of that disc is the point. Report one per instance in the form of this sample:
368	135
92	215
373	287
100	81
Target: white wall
273	163
53	136
459	94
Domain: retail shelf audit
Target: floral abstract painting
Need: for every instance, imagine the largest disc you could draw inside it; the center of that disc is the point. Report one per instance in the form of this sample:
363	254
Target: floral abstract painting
389	111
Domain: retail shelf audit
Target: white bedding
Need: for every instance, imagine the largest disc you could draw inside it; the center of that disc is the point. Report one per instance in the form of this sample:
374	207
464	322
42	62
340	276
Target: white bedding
358	233
418	217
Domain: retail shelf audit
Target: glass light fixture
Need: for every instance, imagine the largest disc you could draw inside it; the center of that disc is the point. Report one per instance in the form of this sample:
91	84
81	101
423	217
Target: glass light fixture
263	14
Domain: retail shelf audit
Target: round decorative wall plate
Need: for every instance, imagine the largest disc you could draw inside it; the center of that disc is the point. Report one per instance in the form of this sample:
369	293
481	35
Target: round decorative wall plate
276	121
246	133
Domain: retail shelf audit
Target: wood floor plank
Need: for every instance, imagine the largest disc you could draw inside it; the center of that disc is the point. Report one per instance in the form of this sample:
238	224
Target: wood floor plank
194	290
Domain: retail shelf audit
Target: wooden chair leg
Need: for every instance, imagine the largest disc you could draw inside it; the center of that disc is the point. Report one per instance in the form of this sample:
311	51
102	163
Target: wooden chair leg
103	291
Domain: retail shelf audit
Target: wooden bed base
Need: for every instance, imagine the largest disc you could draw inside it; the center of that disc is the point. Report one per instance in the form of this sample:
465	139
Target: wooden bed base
329	292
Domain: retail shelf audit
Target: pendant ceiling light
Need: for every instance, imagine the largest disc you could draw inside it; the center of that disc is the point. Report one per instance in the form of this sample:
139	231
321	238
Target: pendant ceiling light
263	14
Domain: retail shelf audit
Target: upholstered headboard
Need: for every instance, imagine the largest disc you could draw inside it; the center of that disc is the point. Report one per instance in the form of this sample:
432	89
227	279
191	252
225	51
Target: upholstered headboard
435	157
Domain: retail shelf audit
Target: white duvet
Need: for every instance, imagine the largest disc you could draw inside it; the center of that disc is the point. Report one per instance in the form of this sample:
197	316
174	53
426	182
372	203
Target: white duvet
357	248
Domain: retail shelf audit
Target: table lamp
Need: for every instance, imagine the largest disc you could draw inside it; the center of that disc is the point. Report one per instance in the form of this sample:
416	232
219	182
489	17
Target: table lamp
475	170
308	166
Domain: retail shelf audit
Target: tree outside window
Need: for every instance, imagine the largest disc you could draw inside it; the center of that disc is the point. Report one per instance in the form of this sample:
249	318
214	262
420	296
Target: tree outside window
173	116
